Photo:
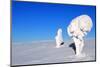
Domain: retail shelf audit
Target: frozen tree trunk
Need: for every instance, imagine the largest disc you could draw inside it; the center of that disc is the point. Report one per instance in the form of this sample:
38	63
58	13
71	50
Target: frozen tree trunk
79	44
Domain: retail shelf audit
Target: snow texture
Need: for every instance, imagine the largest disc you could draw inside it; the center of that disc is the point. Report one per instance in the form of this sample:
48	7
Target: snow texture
59	38
78	28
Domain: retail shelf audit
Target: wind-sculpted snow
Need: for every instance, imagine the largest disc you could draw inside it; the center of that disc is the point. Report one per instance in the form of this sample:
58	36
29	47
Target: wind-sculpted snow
59	38
78	29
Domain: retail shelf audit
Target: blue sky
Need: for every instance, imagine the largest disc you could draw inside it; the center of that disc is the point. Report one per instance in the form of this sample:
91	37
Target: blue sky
37	21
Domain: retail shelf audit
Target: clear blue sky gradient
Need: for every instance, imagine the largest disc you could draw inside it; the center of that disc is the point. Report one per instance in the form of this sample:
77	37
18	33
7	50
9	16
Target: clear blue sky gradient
37	21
